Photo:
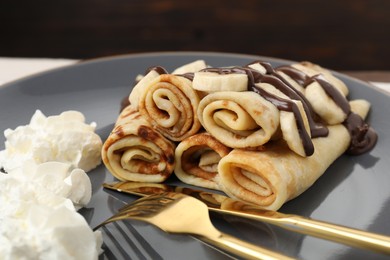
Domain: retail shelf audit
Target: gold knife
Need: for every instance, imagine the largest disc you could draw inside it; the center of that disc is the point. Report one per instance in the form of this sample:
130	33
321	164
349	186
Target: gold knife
223	204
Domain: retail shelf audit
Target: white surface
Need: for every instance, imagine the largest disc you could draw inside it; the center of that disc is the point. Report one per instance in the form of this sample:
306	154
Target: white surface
382	85
15	68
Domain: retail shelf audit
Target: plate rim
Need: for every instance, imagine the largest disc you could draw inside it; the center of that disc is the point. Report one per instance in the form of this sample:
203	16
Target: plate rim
124	56
153	54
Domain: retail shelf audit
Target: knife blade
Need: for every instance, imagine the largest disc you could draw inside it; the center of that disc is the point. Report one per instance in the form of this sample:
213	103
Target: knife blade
225	205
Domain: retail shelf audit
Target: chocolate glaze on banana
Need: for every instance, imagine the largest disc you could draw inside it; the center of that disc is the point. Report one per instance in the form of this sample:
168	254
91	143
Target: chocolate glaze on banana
281	103
317	129
363	136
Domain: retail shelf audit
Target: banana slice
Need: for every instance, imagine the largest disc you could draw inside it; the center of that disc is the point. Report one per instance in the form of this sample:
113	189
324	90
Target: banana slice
290	130
271	89
215	82
139	88
292	82
190	67
360	107
311	69
291	133
324	105
258	67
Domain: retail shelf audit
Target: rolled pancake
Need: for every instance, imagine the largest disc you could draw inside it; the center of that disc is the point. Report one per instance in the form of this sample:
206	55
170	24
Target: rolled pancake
276	175
134	151
197	159
239	119
169	104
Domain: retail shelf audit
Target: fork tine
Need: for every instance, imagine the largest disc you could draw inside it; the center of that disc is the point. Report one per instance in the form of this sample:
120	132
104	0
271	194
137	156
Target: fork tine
117	245
116	217
145	206
123	241
146	246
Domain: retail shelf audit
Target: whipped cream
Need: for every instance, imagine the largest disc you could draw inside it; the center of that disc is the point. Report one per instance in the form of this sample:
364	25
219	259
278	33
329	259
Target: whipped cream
44	185
38	213
63	138
57	177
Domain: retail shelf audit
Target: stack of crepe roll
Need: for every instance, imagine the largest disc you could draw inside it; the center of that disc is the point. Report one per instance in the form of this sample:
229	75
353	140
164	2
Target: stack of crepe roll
261	134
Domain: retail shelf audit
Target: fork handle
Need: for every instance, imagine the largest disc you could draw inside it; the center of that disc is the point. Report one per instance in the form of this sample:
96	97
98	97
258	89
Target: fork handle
242	248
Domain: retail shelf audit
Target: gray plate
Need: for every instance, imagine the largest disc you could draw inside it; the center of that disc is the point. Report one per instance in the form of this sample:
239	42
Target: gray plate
354	191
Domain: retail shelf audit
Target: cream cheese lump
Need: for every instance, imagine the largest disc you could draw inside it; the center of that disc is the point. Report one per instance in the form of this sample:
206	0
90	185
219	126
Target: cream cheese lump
44	184
63	138
38	215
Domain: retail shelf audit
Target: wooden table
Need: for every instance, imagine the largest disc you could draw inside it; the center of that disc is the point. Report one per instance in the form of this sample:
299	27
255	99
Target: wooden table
373	76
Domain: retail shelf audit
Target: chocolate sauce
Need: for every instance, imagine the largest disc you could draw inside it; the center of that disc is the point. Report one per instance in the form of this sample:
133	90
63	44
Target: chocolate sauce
189	76
294	73
225	71
304	80
363	137
160	70
289	106
317	129
331	91
281	103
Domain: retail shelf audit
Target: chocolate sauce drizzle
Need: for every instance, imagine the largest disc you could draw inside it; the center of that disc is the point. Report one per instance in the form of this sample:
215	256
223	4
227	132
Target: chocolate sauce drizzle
363	137
272	77
294	73
281	103
160	70
331	91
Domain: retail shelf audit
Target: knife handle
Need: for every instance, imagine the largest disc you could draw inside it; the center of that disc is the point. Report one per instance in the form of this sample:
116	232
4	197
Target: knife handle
336	233
242	248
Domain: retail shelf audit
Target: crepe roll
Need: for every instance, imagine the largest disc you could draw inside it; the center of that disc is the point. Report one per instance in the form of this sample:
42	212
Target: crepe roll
169	104
271	177
134	151
239	119
197	159
139	88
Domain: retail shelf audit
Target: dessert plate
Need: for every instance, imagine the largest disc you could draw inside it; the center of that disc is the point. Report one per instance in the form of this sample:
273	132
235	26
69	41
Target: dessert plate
354	191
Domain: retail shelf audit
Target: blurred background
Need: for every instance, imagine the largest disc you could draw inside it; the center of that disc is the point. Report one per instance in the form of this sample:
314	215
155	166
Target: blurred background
341	35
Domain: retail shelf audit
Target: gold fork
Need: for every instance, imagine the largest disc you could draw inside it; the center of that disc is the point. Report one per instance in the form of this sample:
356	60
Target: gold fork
179	213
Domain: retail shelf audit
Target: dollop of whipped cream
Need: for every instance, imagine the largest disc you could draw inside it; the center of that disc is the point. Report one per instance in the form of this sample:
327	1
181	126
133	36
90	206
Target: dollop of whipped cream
63	138
38	213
